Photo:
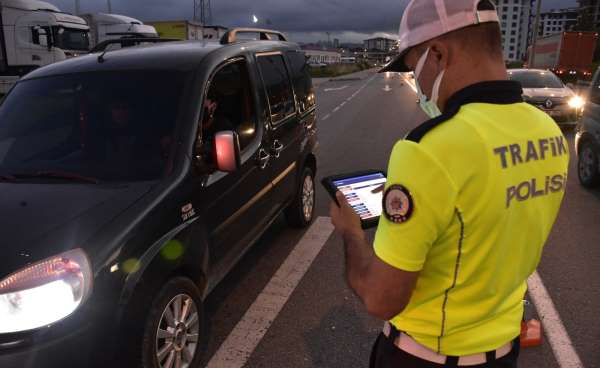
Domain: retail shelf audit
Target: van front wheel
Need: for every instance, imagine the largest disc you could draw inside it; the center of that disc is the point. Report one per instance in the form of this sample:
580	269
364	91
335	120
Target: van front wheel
174	335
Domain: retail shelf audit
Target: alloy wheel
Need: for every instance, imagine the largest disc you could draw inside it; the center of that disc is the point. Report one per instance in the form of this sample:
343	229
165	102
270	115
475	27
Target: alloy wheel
177	333
308	197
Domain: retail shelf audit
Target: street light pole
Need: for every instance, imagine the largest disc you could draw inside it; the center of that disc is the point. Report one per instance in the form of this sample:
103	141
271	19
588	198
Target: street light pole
536	29
109	6
77	7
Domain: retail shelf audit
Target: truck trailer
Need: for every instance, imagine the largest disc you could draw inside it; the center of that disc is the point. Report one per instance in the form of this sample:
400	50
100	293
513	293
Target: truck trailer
568	54
188	30
113	26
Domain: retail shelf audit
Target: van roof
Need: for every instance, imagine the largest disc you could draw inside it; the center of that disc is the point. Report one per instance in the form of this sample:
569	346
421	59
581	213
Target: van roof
179	55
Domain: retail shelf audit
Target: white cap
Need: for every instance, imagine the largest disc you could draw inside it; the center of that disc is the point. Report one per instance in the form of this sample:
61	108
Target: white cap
424	20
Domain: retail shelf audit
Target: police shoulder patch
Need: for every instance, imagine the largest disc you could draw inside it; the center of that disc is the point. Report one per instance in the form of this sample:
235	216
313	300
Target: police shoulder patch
398	204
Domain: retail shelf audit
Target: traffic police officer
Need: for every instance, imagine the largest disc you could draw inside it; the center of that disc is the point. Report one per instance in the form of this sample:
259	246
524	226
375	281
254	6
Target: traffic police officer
471	197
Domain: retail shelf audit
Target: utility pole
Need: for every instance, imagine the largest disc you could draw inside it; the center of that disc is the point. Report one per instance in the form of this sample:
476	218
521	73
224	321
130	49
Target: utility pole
109	6
536	29
203	11
77	9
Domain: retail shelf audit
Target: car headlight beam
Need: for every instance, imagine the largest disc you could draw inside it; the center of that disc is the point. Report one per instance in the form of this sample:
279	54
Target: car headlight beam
576	102
44	292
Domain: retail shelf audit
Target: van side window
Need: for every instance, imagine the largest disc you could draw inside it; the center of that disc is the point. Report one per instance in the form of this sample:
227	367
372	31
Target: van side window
279	88
301	80
595	92
229	105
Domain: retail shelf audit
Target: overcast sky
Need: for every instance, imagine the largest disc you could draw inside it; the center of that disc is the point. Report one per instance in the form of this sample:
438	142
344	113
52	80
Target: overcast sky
303	20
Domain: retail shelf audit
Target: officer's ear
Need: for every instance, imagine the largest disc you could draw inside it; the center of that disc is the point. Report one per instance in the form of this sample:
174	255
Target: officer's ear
440	54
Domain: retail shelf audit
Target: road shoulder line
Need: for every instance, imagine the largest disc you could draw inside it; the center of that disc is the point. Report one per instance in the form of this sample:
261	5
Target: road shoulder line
249	331
555	331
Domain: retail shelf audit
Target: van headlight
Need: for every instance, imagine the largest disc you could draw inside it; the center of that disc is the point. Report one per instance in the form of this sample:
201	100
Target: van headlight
576	102
44	292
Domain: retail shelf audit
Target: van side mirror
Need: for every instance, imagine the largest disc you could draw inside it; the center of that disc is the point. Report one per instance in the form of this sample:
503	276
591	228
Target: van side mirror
227	151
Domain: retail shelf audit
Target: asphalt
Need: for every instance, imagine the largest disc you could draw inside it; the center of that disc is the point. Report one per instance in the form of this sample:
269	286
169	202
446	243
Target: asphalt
323	324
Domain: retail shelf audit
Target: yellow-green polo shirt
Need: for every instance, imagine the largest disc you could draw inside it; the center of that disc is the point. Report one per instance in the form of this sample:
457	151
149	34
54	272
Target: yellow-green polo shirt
485	182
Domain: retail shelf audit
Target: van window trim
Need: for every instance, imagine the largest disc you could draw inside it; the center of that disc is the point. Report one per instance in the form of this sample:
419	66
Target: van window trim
287	69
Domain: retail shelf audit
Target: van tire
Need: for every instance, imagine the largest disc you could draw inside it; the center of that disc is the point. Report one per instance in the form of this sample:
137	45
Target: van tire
177	292
301	211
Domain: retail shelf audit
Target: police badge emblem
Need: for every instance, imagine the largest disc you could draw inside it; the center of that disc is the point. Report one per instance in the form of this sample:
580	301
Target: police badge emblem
398	204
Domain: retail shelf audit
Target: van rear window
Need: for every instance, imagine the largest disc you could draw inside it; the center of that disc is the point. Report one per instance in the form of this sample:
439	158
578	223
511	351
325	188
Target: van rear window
301	80
279	89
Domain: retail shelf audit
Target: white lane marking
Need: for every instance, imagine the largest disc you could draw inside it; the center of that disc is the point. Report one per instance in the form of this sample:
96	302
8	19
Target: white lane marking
335	89
387	88
246	335
561	344
326	117
351	97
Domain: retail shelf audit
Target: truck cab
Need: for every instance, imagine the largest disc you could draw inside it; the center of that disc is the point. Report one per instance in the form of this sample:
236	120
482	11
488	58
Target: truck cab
34	34
113	26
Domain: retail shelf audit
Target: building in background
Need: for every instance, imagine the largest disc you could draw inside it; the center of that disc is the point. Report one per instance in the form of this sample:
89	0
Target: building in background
319	55
516	20
557	21
214	33
336	43
589	15
380	44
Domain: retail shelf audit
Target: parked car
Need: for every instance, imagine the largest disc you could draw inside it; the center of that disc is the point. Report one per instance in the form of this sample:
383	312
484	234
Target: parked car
546	91
587	138
132	181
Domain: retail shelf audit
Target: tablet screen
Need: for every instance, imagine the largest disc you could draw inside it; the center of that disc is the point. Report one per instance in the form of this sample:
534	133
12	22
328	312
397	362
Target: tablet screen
359	193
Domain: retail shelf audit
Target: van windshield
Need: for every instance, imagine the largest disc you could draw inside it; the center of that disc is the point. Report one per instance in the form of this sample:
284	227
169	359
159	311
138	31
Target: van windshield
109	126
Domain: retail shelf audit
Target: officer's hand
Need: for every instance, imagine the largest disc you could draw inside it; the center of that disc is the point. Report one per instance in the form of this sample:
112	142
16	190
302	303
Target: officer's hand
343	217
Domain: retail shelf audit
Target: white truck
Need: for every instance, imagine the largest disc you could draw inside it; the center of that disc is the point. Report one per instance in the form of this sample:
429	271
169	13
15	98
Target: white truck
35	33
114	26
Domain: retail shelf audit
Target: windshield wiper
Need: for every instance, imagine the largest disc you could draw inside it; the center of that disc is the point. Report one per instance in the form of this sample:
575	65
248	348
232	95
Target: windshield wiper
62	175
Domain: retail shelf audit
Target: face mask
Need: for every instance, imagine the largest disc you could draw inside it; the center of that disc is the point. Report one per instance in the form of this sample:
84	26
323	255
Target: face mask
429	106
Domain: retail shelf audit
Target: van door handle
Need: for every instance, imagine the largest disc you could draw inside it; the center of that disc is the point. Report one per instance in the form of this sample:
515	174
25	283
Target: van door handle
277	148
263	159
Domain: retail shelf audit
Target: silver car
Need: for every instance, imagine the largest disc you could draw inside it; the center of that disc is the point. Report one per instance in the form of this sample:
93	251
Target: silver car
547	92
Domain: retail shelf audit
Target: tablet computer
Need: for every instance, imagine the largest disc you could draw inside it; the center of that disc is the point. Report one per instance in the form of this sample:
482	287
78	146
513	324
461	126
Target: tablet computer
361	191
